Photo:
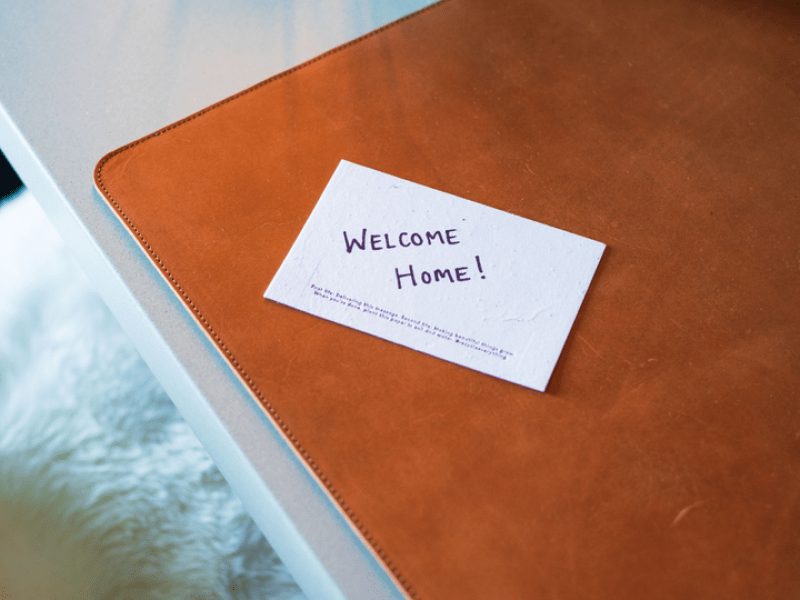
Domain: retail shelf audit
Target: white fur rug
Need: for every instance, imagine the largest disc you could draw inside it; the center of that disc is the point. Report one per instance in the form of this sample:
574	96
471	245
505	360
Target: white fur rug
104	490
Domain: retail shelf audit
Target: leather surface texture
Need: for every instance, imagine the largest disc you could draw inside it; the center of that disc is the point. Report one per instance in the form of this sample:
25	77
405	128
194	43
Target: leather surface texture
664	459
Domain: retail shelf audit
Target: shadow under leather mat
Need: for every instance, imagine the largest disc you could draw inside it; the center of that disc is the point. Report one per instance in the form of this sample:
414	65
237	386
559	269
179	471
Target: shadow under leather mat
663	460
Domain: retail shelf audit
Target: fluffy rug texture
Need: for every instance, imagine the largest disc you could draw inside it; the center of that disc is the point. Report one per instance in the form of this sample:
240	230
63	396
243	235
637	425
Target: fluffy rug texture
104	490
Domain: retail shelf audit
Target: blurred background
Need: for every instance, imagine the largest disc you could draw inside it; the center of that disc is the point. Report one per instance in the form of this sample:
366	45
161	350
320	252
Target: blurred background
104	489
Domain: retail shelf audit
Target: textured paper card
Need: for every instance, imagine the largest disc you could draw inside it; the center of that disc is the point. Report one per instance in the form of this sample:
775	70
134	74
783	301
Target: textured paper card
455	279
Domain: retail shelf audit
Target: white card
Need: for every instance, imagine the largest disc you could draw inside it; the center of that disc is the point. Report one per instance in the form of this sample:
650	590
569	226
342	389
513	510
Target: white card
452	278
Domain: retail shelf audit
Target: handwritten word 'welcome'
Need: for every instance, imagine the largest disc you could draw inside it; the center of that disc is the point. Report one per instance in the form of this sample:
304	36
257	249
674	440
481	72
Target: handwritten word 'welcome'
378	241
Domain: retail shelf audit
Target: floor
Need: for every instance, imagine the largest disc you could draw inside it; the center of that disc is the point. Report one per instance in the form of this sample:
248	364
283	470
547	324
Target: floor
104	490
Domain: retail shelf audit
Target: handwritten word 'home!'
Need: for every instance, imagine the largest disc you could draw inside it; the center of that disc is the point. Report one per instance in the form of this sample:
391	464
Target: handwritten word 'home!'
438	275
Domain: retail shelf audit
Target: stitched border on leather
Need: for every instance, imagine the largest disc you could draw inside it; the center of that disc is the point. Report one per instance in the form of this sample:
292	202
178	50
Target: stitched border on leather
254	388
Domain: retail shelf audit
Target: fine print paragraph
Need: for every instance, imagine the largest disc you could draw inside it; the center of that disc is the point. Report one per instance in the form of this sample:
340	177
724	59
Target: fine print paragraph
401	320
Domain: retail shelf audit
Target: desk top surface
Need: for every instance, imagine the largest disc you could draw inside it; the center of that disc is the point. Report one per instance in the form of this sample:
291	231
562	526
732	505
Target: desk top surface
666	130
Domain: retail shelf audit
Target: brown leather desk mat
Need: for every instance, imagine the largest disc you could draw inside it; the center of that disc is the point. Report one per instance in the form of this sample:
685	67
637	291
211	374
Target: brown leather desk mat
663	460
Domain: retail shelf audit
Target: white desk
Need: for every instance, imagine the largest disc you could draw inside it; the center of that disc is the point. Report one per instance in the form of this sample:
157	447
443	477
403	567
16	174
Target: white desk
79	78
